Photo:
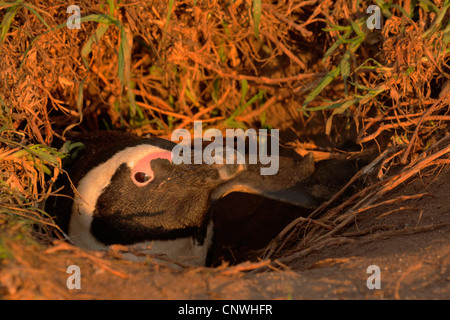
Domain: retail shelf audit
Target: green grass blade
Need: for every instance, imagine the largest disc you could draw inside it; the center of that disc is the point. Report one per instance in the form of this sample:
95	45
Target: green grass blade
345	69
87	48
256	16
169	14
356	26
123	52
339	110
259	96
215	90
6	22
324	107
124	71
323	83
231	122
29	6
111	6
336	27
100	18
40	151
9	4
244	90
428	5
438	21
134	108
336	44
79	106
166	25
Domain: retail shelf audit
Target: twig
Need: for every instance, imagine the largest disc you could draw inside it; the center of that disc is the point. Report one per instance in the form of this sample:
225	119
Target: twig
419	166
316	247
390	201
246	266
297	223
285	50
302	76
395	210
60	246
416	131
401	232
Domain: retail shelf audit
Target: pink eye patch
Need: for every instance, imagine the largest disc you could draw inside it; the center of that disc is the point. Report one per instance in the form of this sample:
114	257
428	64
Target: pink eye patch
142	172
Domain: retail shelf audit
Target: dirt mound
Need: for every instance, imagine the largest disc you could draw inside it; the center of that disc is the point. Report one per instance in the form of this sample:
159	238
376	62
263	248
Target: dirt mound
410	245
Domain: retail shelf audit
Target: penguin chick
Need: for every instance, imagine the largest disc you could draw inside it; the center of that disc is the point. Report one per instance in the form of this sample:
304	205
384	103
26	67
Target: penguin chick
129	192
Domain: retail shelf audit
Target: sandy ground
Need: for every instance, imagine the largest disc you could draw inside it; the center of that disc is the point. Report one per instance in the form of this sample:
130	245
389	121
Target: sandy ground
410	247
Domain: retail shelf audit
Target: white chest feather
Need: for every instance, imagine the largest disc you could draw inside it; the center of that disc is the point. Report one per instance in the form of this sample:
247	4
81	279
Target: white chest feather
185	250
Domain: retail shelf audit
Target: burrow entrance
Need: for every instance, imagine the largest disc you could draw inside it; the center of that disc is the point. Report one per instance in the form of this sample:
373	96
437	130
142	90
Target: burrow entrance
244	224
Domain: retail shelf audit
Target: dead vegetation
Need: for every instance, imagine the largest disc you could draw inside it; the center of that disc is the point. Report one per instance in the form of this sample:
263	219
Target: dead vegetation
313	69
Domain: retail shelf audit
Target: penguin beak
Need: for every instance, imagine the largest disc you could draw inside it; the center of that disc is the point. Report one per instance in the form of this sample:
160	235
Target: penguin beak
247	179
253	184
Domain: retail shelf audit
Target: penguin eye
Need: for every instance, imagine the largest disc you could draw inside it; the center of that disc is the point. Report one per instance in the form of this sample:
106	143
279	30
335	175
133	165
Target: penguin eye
141	177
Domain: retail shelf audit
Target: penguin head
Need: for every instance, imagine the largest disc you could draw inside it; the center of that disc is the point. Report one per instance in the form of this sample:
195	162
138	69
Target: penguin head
137	194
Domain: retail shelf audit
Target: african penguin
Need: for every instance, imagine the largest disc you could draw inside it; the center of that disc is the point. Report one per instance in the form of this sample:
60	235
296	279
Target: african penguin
128	191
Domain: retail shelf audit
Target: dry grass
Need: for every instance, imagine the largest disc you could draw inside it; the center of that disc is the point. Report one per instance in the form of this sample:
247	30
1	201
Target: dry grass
312	68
